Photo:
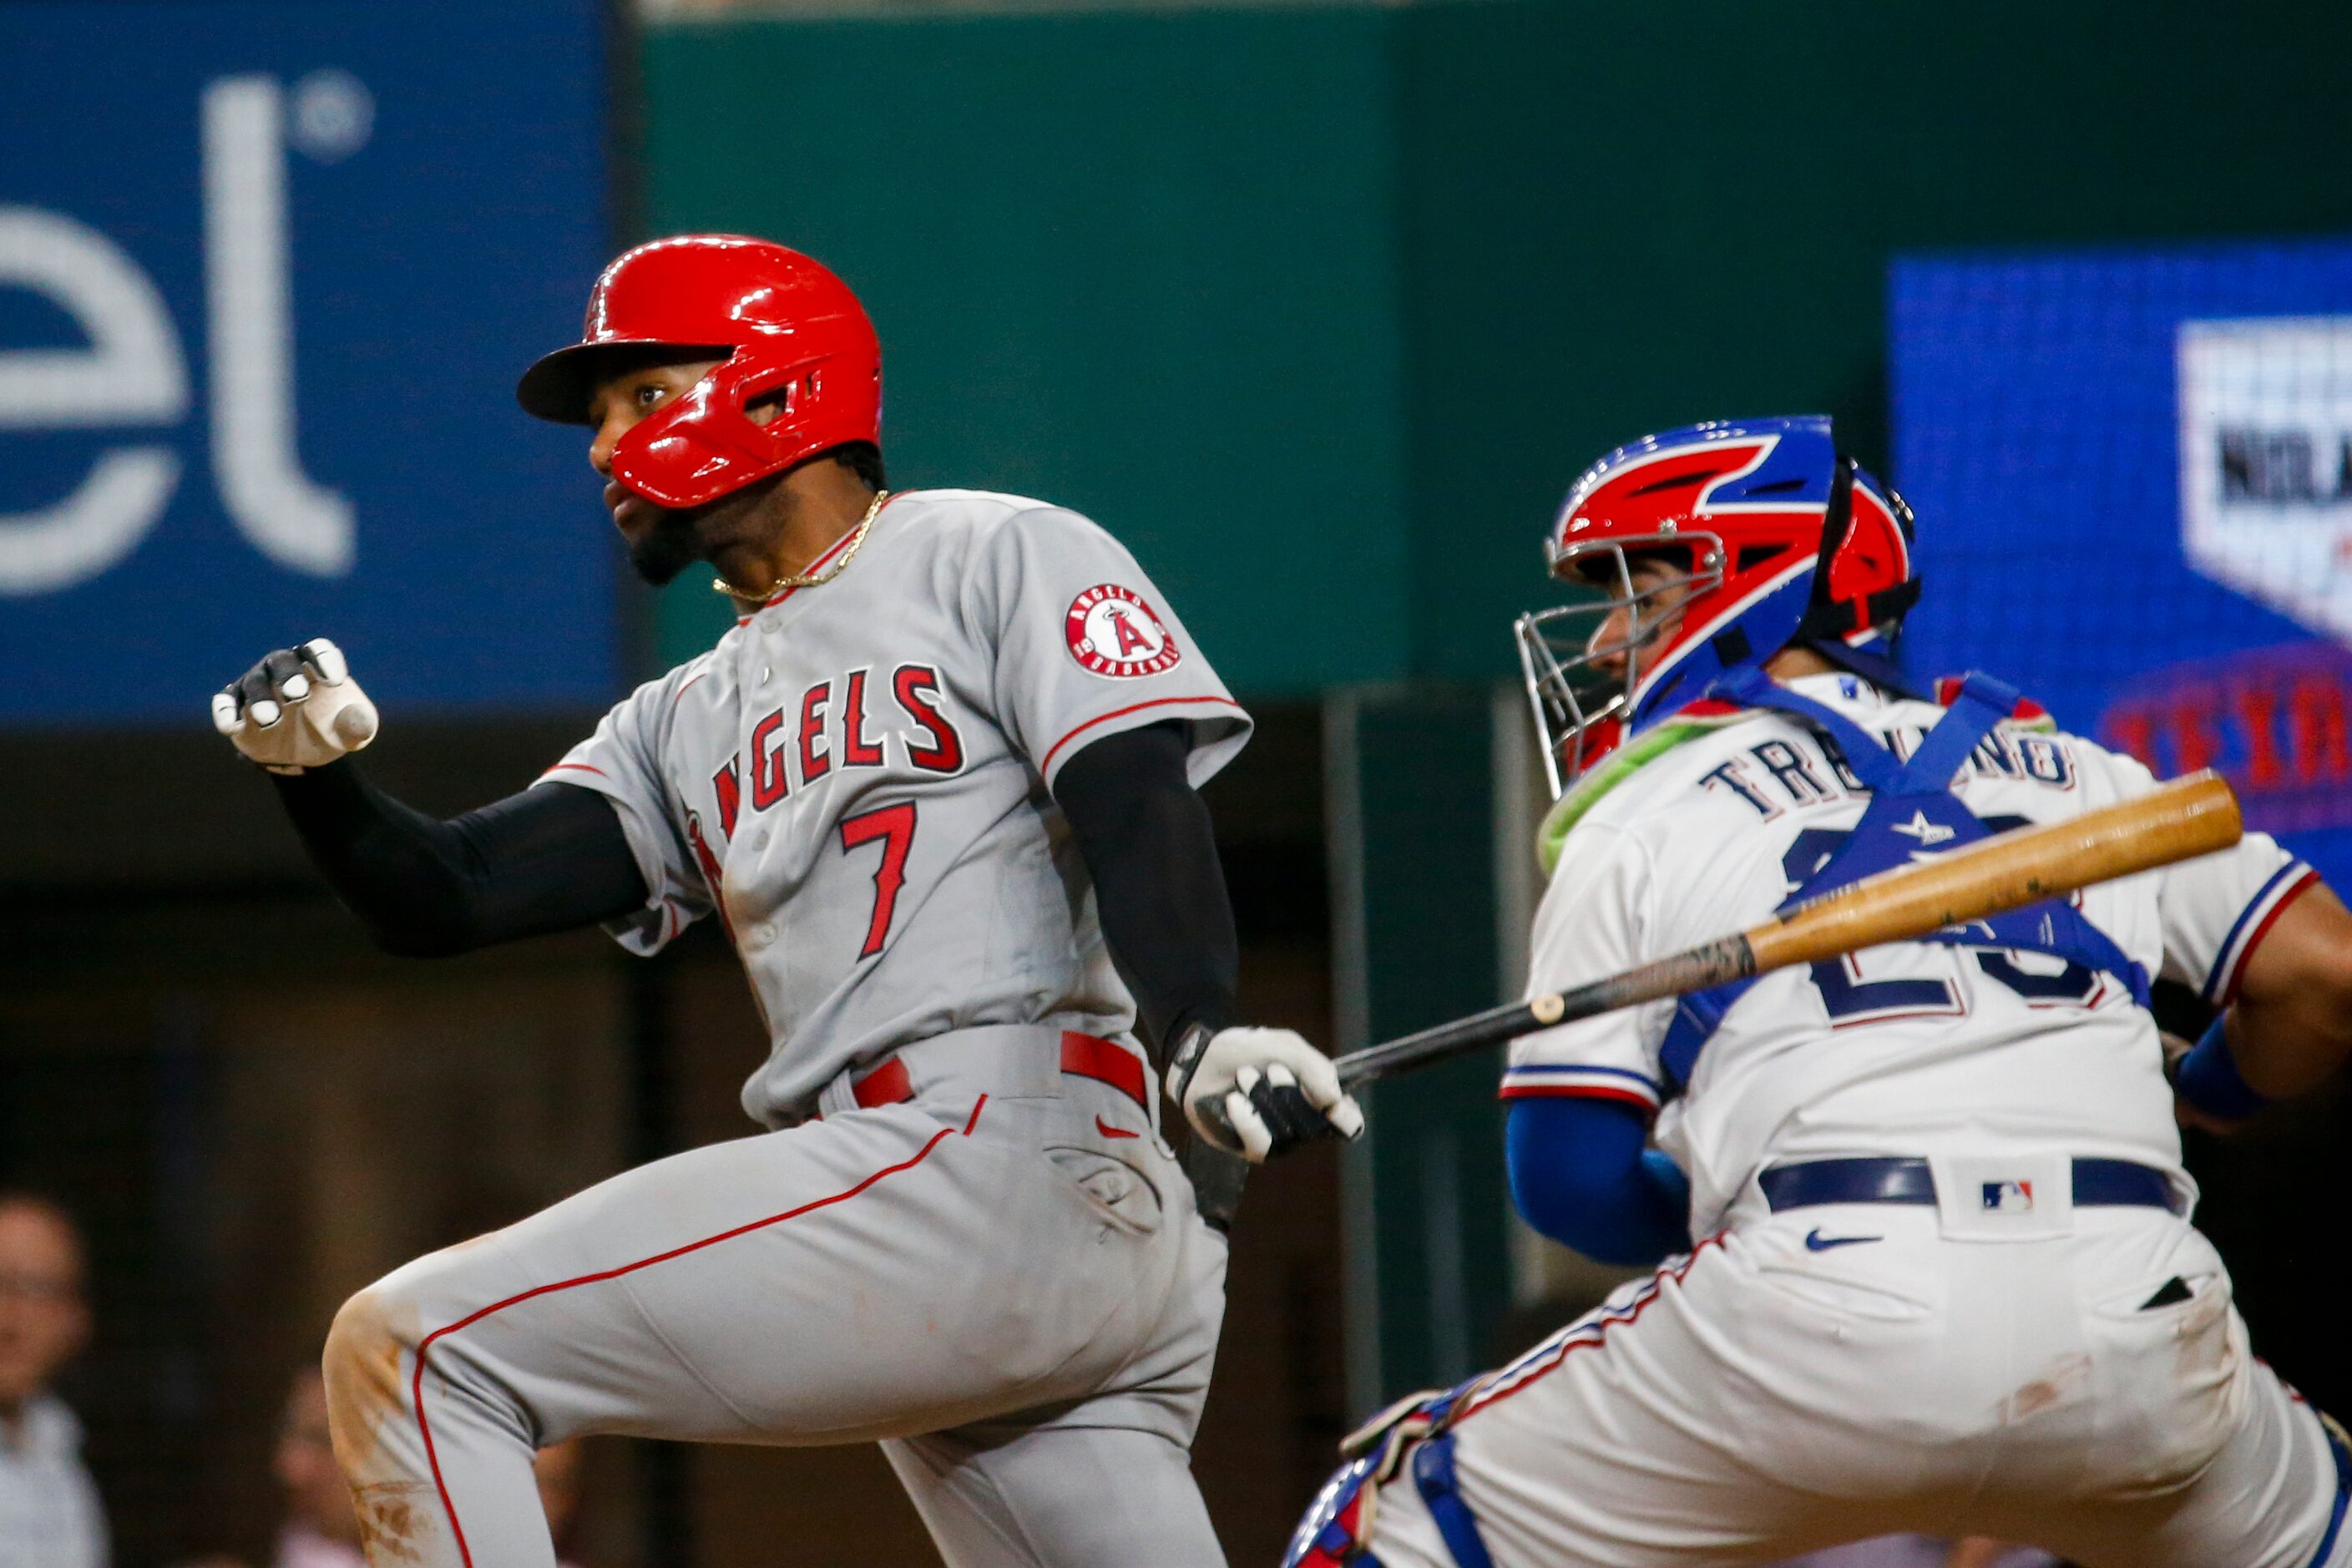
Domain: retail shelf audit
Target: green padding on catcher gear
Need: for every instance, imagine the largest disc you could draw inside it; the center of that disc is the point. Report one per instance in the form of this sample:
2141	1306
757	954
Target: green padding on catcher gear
1586	793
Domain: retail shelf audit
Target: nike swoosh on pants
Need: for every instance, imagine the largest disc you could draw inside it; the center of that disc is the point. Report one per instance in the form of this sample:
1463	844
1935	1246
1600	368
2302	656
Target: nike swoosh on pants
1816	1242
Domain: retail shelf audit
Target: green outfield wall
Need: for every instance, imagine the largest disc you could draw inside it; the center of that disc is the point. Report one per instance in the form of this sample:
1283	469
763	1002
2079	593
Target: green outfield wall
1321	309
1140	264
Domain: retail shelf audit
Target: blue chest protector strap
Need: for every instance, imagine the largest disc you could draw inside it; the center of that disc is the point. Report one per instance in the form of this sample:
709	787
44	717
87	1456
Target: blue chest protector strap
1912	807
1432	1476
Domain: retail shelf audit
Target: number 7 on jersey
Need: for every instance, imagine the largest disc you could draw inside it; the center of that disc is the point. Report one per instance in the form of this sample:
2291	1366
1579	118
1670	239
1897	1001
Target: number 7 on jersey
894	827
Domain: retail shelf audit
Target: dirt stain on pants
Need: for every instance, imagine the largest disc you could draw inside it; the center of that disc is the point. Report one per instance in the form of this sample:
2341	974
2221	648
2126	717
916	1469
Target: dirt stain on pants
367	1349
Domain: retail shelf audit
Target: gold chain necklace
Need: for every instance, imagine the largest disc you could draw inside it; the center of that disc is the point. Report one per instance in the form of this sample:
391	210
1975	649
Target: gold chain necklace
812	579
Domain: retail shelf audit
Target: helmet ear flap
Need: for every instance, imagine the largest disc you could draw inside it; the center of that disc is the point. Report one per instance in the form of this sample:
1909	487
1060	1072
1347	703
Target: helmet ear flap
785	394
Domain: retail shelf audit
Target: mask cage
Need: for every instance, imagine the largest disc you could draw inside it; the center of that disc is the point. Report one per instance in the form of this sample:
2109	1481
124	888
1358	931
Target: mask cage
1571	693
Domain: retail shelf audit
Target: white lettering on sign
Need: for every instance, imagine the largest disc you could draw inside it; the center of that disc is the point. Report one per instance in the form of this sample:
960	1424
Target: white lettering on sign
130	374
2266	462
131	370
290	520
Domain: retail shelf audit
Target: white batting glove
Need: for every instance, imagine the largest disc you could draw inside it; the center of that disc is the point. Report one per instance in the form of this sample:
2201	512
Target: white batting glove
1258	1092
298	709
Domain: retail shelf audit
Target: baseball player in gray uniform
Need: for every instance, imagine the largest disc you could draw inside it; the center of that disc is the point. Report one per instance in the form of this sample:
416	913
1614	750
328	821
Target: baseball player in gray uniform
937	783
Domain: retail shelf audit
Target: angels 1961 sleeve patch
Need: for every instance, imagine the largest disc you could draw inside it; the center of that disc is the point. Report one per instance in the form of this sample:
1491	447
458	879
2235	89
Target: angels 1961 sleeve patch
1112	631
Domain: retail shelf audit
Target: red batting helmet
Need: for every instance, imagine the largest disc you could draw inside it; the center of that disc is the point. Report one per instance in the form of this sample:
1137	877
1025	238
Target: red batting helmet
779	323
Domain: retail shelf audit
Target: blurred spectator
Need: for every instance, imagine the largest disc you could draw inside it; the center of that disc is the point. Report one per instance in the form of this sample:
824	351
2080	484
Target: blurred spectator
49	1513
321	1531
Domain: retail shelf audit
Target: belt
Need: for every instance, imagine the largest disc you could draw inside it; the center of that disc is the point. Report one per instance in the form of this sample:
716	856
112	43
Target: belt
1088	1056
2098	1184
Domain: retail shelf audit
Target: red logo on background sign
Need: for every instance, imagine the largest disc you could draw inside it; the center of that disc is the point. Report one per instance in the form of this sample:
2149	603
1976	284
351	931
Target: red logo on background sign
2277	723
1113	632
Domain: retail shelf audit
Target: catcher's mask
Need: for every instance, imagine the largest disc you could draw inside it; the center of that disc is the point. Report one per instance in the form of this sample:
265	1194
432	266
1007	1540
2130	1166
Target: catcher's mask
1710	548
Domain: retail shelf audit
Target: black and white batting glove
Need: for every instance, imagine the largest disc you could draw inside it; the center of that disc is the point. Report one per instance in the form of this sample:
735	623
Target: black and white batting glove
298	709
1258	1092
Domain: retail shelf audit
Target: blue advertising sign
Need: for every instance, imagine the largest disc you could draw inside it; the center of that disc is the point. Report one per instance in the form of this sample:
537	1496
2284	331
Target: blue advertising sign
2133	479
267	274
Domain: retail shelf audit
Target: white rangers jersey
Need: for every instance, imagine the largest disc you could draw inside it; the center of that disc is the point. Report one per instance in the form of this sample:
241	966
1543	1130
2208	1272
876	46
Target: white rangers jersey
1908	1049
857	780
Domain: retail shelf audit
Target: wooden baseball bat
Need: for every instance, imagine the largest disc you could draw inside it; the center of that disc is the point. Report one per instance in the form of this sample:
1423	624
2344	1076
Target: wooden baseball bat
2177	821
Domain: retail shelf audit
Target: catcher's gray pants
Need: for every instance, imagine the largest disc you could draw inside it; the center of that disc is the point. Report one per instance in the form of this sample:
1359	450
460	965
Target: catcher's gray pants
1845	1371
1003	1279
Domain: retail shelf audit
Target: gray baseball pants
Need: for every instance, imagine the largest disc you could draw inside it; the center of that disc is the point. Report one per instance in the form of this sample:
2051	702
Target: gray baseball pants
1001	1279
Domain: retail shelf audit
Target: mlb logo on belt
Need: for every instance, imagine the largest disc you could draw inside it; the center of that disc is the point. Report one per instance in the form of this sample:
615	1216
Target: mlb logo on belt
2008	1198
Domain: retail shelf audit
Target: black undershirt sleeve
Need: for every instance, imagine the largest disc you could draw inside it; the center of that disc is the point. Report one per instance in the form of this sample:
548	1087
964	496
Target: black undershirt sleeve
1160	890
551	858
554	859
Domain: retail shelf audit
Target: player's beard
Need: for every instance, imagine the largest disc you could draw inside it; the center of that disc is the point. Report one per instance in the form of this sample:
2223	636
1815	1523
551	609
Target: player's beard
668	548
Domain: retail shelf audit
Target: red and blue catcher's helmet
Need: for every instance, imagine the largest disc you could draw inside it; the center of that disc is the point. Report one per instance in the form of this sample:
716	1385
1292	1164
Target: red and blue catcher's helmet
1770	537
781	326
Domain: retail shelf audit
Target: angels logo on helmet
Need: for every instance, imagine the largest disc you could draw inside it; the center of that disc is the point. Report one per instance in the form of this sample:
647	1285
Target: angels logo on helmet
1712	547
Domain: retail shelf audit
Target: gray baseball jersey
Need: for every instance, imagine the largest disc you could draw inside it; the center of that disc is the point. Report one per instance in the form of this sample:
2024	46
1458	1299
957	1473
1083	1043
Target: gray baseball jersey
997	1269
857	780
